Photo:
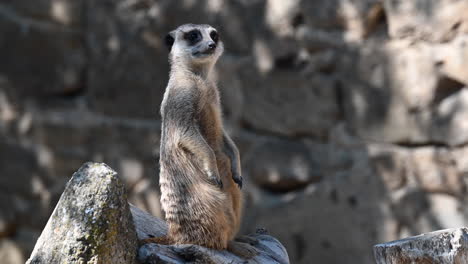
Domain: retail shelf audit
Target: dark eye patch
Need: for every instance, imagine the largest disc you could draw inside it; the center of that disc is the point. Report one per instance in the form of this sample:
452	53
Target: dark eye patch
214	36
193	36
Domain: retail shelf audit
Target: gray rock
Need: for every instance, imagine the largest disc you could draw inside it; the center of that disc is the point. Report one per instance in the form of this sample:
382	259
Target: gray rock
435	171
401	94
126	39
448	122
32	36
128	145
10	253
289	104
312	222
391	164
432	20
122	41
22	188
350	18
283	165
448	58
91	223
10	159
448	246
401	90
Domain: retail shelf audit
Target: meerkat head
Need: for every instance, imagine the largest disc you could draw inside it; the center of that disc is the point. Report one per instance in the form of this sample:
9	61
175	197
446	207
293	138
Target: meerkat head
196	45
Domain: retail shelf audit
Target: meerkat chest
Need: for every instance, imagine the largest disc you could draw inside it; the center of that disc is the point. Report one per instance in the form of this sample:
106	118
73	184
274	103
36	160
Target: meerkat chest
210	121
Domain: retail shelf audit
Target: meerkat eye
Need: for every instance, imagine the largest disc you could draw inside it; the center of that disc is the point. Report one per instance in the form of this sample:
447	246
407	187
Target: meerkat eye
214	36
193	36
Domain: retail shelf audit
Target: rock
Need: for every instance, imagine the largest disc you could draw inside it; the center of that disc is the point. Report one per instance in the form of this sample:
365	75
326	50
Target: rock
8	215
64	12
319	40
451	58
48	34
447	211
350	19
392	165
289	104
409	206
445	247
432	20
91	223
418	212
23	188
10	253
374	93
16	165
354	191
127	38
435	171
283	165
282	17
402	96
123	41
368	96
230	86
448	124
129	145
25	238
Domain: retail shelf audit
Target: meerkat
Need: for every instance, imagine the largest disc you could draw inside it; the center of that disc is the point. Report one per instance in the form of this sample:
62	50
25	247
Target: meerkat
200	173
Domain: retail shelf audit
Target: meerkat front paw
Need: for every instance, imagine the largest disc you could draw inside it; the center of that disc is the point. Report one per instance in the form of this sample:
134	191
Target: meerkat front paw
237	179
215	180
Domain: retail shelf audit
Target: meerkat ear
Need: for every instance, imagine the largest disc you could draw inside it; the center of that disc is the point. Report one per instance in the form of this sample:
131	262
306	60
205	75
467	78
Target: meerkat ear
169	40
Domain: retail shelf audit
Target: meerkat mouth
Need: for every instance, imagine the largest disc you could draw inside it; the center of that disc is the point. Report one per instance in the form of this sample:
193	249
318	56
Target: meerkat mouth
205	53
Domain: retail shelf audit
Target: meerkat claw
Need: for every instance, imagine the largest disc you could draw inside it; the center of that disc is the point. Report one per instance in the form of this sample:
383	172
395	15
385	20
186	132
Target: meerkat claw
238	180
216	181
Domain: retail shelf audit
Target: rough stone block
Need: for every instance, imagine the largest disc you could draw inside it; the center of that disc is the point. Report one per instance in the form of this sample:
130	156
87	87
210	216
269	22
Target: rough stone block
443	247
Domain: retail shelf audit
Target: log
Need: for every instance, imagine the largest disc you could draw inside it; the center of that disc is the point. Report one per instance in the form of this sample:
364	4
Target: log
267	249
448	246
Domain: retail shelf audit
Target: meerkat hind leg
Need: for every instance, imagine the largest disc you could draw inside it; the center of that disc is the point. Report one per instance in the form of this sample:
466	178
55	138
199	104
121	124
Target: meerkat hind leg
197	145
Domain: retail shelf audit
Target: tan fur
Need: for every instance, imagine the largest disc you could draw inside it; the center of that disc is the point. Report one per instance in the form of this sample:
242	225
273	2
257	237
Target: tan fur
196	153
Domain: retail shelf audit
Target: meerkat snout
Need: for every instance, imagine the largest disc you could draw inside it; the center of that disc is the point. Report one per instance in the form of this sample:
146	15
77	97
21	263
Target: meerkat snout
211	45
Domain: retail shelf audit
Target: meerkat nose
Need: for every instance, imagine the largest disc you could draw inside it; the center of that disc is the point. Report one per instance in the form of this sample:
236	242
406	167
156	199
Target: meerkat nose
212	45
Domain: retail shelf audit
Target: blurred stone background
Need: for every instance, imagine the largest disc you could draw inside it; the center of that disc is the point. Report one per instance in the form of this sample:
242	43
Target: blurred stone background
351	115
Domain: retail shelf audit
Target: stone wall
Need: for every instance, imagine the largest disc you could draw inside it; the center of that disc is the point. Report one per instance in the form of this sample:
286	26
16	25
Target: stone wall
351	115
